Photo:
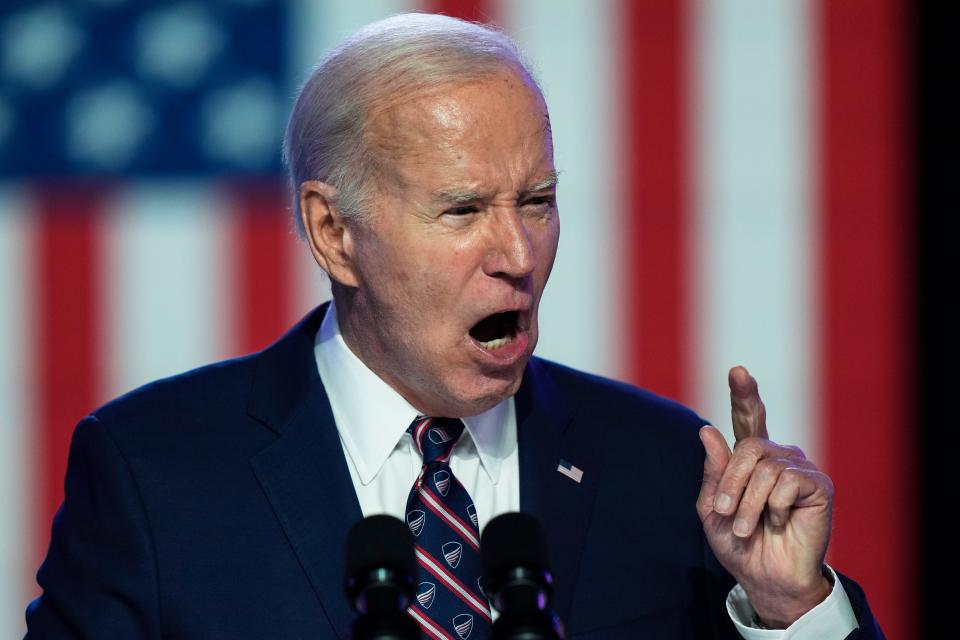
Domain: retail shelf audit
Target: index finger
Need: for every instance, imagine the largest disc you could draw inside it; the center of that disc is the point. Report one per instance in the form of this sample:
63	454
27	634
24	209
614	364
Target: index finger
746	408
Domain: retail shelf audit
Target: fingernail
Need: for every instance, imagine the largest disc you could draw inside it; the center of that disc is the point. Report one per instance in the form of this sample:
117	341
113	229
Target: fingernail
740	527
722	502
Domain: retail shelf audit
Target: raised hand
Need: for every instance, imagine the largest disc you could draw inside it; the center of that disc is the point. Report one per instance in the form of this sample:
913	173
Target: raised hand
766	511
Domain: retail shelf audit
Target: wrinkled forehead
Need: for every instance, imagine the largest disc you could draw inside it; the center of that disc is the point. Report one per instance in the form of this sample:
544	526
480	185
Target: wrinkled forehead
498	121
456	112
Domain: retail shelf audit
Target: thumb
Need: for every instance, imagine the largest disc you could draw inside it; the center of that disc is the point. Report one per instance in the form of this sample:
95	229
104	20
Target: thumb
715	463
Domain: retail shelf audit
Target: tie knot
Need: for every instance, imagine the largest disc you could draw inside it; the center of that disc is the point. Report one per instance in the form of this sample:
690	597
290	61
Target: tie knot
435	437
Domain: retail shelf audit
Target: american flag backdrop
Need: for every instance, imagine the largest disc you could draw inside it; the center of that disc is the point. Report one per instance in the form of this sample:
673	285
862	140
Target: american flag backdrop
733	191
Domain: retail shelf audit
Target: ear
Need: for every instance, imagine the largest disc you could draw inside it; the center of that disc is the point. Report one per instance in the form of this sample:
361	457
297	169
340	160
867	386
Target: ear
327	231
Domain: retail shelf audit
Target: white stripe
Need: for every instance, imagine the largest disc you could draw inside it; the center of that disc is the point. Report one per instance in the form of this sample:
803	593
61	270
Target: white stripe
754	213
425	622
571	46
167	280
16	465
467	533
481	607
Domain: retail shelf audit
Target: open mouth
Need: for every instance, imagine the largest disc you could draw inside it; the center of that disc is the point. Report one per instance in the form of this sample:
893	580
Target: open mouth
495	330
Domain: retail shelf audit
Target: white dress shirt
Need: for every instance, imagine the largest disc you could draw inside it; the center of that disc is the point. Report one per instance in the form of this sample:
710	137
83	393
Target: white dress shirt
372	419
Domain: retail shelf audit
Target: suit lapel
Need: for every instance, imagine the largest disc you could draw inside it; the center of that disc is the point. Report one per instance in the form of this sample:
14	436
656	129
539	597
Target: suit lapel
303	473
563	506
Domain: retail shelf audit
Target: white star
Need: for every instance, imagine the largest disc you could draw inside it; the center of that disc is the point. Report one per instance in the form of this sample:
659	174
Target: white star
38	44
176	45
106	125
240	124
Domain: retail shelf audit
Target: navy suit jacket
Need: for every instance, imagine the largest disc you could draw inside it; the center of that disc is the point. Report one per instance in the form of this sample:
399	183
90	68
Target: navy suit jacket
215	504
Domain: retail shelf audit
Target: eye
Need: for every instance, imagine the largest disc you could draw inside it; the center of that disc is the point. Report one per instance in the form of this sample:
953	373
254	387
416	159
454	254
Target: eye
540	202
463	211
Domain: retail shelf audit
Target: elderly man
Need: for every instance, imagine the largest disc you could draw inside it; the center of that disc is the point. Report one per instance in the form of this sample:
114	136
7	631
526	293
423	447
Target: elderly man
216	504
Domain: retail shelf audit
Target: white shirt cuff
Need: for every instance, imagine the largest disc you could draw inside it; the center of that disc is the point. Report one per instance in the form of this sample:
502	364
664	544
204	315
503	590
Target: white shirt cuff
832	618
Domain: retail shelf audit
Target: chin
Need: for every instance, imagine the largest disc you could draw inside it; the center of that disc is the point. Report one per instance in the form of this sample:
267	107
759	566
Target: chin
494	391
473	400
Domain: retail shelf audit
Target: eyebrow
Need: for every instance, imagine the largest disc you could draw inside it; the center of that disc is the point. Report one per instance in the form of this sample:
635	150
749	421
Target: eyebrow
549	182
457	196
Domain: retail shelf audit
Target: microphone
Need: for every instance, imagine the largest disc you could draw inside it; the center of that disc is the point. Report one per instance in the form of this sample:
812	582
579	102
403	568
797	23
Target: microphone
517	578
380	579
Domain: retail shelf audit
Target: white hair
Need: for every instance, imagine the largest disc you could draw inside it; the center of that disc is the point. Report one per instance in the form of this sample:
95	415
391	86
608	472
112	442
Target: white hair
386	60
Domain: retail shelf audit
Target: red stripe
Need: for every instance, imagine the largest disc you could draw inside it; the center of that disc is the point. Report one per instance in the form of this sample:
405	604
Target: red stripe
263	239
68	319
654	186
472	10
441	574
447	515
866	317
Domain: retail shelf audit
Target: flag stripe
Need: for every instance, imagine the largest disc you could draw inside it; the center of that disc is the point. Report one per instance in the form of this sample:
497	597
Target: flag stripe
262	281
473	10
16	555
68	347
168	304
653	41
864	308
751	216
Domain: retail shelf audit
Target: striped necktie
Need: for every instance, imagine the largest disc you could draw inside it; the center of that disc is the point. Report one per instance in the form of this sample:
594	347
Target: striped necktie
450	604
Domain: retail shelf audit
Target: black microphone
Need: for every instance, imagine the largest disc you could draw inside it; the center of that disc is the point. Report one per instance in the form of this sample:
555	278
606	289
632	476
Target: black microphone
517	578
380	579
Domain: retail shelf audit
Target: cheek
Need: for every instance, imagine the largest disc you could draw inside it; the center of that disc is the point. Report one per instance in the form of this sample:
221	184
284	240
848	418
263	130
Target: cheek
386	266
546	247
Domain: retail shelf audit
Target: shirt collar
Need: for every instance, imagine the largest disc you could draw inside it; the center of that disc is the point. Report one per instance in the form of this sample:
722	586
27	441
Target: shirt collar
372	417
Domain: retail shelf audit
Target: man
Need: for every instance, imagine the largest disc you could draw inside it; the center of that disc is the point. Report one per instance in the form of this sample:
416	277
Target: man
216	504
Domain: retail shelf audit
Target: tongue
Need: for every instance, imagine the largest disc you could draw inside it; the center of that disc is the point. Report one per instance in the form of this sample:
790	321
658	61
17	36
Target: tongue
490	328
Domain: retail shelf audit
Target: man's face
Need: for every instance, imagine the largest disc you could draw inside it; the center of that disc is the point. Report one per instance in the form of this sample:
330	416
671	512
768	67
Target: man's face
451	265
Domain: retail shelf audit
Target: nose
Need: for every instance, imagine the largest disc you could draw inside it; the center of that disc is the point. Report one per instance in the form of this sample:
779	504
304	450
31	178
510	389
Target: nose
511	252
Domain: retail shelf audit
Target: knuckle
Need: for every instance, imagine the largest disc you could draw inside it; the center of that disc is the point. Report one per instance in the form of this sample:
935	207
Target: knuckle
825	481
780	501
752	446
797	451
792	475
770	468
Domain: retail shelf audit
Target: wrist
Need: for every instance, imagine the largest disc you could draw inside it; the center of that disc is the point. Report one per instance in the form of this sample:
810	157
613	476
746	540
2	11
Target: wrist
781	612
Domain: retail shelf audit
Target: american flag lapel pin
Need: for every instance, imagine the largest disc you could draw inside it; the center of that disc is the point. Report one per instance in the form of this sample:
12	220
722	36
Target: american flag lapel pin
571	471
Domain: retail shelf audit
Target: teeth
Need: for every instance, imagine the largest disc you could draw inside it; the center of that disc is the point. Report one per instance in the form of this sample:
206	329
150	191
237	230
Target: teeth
495	344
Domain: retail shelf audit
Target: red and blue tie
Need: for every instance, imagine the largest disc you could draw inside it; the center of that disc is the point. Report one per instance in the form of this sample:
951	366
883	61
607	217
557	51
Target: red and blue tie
450	604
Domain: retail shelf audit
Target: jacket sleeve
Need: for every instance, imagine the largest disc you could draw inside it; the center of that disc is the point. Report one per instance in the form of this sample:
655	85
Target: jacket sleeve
868	628
99	578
